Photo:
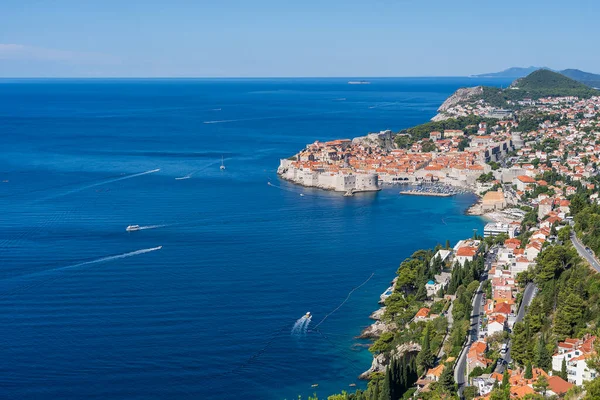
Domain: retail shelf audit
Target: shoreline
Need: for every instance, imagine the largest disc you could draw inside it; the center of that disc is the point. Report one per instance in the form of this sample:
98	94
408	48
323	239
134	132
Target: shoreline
378	327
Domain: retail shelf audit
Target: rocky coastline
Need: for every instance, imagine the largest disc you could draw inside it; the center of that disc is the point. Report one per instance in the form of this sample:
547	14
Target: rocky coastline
461	95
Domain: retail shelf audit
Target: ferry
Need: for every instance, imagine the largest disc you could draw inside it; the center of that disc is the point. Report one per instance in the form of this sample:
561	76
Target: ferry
359	83
132	228
308	315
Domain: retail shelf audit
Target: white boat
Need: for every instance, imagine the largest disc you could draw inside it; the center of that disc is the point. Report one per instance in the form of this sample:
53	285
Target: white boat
222	167
349	193
308	315
359	83
132	228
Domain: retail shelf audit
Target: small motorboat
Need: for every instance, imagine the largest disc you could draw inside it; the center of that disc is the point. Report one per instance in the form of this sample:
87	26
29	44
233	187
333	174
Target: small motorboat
314	385
132	228
308	315
302	194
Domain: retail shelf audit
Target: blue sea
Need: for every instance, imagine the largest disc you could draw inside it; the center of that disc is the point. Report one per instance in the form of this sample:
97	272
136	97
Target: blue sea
88	310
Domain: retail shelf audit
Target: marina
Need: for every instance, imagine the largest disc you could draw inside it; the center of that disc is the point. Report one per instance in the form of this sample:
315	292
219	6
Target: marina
435	190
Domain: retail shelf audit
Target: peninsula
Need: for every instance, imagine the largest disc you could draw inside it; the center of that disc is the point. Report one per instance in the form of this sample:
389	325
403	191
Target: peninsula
512	313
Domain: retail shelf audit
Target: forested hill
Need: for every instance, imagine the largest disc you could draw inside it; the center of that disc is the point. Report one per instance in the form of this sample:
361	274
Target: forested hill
540	83
545	81
587	78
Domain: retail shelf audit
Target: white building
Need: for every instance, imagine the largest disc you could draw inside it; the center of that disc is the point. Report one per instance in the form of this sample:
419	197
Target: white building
497	228
496	324
575	352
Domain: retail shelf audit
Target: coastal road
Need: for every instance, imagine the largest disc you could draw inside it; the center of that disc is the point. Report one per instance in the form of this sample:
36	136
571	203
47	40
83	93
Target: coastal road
528	295
588	256
473	334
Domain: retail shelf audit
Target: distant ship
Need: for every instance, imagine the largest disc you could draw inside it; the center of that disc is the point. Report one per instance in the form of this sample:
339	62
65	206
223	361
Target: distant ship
222	167
132	228
359	83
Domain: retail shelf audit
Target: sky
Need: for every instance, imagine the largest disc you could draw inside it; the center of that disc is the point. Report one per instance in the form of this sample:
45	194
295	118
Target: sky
287	38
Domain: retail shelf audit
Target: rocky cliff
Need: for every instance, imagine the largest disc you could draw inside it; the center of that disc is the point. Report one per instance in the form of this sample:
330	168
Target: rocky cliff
461	95
383	139
382	360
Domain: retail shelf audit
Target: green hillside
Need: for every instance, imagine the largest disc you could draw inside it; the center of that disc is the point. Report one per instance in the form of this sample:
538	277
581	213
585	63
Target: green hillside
587	78
540	83
544	82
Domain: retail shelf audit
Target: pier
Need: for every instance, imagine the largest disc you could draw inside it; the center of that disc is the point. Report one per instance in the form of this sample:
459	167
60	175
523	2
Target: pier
424	193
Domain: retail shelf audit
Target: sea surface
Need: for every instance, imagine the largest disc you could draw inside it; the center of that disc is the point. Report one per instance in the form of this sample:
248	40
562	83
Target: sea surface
88	310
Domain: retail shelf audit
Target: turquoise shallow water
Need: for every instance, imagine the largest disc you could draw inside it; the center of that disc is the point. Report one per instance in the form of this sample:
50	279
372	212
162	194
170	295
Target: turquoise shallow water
210	313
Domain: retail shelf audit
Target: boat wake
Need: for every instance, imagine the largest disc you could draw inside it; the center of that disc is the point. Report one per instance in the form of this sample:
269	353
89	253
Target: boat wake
301	326
82	264
106	182
188	176
153	226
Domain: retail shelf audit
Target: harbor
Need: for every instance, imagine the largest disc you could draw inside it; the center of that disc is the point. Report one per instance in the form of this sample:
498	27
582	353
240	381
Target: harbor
423	193
435	190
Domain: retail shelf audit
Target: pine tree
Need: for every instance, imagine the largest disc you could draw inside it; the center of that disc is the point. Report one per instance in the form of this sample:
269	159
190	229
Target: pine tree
541	385
447	244
528	371
447	379
519	343
562	326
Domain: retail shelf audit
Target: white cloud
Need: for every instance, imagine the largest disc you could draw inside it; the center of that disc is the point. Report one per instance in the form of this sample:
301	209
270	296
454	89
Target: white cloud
10	51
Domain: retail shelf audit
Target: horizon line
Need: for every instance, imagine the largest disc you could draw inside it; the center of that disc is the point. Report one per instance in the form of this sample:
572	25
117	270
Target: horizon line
252	77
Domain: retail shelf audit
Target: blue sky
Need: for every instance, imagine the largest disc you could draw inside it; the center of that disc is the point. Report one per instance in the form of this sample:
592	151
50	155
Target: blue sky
268	38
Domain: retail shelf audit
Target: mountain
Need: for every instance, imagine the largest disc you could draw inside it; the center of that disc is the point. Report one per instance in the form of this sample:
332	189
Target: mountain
514	72
540	83
550	83
587	78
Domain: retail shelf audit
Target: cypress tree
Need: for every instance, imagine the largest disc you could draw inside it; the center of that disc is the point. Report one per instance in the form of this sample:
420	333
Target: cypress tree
385	388
505	379
375	392
543	359
425	359
528	371
563	369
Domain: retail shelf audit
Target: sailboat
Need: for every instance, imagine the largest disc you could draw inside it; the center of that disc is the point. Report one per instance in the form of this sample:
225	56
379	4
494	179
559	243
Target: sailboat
222	165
